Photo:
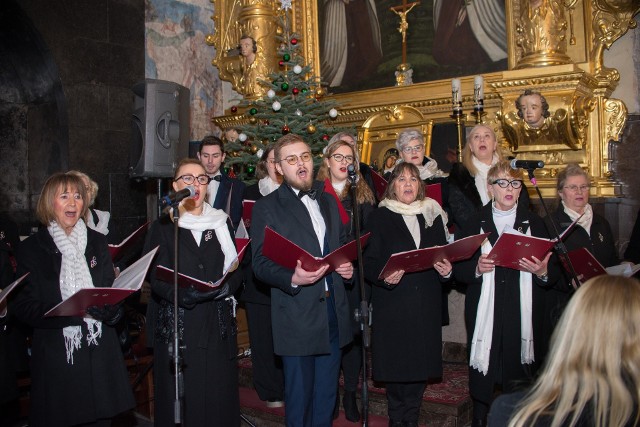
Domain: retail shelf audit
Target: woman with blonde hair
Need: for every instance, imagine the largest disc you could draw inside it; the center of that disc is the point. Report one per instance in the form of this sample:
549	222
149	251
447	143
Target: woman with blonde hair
96	219
592	376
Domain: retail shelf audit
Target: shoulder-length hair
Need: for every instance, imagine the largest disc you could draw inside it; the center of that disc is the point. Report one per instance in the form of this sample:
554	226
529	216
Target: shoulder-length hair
593	368
390	192
363	191
261	166
55	185
467	155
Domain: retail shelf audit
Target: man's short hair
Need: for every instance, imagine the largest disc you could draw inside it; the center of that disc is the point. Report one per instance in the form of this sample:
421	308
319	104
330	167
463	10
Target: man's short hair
211	140
288	139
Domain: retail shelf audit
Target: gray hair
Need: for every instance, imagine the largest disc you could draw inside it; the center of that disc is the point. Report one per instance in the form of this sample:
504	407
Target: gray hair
406	136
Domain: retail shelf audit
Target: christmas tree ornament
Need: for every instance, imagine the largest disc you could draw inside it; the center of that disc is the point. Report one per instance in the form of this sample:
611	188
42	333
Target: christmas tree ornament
297	69
281	63
311	128
234	109
320	91
325	137
279	31
305	90
333	113
251	169
265	141
254	149
294	41
271	93
284	86
253	120
286	57
266	122
276	106
286	129
253	111
242	137
295	91
298	112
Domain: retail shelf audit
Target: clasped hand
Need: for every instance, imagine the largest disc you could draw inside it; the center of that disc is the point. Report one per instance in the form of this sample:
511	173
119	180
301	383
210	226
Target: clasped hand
109	314
302	277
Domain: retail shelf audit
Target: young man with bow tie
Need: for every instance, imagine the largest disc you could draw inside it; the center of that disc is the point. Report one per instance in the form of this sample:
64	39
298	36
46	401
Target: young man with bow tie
310	314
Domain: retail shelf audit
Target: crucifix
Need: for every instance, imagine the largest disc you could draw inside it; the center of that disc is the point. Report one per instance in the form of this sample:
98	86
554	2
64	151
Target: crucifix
402	10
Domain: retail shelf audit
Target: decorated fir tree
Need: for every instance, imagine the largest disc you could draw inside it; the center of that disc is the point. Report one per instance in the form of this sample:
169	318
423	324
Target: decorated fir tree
294	103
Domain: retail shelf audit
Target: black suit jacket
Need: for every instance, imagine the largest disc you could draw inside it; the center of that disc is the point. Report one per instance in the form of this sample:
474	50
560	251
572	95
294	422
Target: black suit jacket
236	188
299	315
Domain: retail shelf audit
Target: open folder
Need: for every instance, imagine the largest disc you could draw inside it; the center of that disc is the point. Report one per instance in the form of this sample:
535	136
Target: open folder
129	281
119	250
512	246
6	291
424	259
284	252
587	266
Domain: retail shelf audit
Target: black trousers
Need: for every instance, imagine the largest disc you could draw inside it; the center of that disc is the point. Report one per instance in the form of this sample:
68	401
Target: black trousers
404	400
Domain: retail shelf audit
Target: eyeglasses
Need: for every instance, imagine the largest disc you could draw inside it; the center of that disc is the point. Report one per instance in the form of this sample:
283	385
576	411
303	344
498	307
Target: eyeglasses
271	161
575	188
414	149
293	159
189	179
504	183
340	157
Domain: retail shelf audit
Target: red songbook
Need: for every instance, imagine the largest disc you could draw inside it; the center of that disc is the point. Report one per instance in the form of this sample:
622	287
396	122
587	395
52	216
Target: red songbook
118	251
6	291
166	274
585	264
379	183
424	259
434	191
247	210
129	281
284	252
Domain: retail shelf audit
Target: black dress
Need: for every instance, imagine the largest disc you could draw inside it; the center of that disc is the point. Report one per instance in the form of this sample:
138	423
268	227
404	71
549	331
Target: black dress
208	332
96	385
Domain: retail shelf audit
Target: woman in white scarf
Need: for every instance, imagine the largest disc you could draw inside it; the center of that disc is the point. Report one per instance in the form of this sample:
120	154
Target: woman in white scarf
407	332
504	307
206	322
78	374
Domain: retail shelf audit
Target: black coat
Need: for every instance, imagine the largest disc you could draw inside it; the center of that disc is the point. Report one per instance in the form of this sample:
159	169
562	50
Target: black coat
208	332
407	332
299	315
96	385
505	366
231	205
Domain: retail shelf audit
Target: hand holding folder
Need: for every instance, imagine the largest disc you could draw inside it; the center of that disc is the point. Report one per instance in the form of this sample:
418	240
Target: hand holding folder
284	252
587	266
424	259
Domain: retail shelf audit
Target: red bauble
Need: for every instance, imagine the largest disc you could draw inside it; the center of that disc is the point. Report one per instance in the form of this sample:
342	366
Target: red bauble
281	63
234	109
266	122
325	137
295	90
294	41
285	129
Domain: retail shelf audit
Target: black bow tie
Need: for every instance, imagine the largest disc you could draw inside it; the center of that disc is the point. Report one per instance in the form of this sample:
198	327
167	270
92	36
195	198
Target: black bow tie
310	193
216	178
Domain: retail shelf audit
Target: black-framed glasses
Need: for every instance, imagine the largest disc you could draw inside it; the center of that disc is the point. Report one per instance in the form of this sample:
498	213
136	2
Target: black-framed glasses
293	159
190	179
340	157
414	149
504	183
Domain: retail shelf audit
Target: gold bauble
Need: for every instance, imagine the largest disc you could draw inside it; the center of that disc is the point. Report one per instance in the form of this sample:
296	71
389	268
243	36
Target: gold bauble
311	129
254	149
265	141
279	31
320	91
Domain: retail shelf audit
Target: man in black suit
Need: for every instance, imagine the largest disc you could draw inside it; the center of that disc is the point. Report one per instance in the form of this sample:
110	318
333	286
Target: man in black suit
223	192
310	312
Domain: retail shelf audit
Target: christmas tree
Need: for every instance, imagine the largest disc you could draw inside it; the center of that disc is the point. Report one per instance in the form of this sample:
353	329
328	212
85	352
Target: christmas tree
294	103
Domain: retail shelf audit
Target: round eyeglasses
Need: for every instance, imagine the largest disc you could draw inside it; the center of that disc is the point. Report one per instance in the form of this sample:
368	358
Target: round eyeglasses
414	149
575	188
190	179
340	157
504	183
293	159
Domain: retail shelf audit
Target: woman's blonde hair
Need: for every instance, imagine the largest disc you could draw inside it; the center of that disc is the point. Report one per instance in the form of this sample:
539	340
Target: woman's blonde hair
55	185
467	155
363	192
92	191
593	369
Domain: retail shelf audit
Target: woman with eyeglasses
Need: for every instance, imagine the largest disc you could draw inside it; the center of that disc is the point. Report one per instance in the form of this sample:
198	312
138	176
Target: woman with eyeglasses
206	321
268	378
504	307
333	171
406	331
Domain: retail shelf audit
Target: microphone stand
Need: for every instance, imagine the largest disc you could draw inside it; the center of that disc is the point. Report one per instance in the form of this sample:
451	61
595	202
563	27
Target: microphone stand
175	348
362	315
559	246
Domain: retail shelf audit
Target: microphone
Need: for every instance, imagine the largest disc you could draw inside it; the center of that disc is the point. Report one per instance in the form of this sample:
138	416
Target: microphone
526	164
351	171
172	199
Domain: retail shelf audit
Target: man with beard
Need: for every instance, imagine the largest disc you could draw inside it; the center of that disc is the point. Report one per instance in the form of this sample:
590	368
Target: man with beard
310	312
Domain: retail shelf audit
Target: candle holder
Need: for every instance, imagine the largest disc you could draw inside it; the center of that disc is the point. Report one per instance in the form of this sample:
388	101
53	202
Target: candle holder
458	116
478	111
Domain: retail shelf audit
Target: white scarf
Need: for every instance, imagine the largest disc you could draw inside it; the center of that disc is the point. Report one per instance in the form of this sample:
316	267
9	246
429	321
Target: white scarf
74	275
483	332
212	219
267	186
586	220
428	207
430	170
102	226
480	177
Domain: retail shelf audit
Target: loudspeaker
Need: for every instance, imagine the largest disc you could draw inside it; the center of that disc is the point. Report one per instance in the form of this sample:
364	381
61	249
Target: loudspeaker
160	128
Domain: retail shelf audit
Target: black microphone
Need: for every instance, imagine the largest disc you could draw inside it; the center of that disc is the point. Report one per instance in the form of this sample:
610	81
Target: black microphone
526	164
351	171
170	200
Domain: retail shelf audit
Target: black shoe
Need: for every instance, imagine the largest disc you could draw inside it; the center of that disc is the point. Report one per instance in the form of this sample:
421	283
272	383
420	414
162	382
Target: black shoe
336	409
350	405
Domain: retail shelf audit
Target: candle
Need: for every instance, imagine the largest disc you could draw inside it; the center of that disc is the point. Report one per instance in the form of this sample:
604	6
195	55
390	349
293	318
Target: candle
478	88
455	92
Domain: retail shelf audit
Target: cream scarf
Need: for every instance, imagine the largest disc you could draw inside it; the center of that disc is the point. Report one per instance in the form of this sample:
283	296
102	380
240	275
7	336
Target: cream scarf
74	275
430	170
483	332
481	177
428	207
103	221
586	220
267	186
212	219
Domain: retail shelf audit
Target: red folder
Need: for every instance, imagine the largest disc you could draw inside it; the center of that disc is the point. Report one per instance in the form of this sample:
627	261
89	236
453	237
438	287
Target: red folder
129	281
247	210
118	251
284	252
424	259
6	291
434	191
585	264
379	183
166	274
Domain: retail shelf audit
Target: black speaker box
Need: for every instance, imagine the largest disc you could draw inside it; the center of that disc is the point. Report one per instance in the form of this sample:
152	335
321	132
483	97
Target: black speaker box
160	128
